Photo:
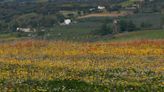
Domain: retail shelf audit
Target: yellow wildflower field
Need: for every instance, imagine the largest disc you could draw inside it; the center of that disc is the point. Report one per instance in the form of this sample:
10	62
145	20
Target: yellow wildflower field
58	66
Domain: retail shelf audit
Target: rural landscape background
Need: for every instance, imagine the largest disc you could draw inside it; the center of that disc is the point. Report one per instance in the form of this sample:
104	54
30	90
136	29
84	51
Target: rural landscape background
81	45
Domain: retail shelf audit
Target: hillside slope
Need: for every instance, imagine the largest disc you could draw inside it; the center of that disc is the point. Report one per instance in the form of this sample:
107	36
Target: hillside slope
85	35
139	35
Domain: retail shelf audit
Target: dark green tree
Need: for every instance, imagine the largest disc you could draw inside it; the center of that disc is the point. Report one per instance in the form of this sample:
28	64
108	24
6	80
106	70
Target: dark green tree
29	20
128	26
131	26
162	22
123	25
104	30
60	17
48	21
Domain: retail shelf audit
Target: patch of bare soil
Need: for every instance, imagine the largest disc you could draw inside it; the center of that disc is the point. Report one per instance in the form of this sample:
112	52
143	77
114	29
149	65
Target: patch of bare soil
114	14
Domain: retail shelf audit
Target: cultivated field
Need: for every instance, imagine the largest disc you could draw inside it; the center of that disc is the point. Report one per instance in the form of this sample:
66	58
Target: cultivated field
113	14
57	66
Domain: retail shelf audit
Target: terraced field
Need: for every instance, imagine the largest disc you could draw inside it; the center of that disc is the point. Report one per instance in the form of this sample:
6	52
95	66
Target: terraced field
57	66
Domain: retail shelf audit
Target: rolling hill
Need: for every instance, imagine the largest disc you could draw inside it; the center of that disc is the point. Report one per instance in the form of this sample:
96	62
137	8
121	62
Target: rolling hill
63	0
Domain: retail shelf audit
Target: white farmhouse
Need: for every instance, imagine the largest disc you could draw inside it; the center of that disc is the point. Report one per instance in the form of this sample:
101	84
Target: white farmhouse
101	7
92	9
26	30
67	21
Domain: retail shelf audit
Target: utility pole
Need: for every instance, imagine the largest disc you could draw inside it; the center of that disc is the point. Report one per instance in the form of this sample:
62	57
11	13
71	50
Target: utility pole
115	26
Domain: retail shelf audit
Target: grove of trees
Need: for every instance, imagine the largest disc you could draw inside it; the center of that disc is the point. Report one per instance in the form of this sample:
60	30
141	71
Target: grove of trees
123	26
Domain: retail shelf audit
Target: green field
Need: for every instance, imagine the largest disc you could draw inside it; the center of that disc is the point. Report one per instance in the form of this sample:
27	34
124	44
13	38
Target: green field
139	35
84	30
127	3
153	19
86	35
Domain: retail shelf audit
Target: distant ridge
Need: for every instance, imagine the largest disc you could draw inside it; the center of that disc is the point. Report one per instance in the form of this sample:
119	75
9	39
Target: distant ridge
58	0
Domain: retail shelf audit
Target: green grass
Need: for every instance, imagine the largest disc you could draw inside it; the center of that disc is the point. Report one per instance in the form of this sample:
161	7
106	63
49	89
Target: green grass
76	32
139	35
65	13
77	86
84	30
68	33
152	19
8	36
127	3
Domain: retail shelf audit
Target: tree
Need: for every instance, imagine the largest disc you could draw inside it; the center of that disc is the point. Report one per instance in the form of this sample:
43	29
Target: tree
162	22
105	29
79	13
60	17
71	15
3	26
128	26
48	21
29	20
123	25
145	25
131	26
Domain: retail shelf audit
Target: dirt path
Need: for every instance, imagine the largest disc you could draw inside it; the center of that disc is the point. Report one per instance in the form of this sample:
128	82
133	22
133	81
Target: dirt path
103	15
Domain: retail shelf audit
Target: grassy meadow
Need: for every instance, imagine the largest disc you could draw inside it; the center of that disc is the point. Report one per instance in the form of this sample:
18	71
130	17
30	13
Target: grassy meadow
138	35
